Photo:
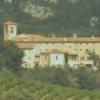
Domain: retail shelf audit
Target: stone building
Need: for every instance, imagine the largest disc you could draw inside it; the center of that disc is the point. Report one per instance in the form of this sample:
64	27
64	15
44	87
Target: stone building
53	51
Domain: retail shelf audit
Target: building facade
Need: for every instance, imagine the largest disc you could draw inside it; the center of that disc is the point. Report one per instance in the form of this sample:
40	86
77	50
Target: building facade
52	51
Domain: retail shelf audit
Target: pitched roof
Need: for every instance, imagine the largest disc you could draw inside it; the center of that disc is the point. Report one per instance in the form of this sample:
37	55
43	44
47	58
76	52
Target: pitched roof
28	38
39	38
25	45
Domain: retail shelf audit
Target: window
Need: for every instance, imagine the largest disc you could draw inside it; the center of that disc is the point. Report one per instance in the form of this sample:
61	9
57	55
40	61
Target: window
37	56
87	50
75	49
46	57
93	49
12	30
46	43
82	58
56	57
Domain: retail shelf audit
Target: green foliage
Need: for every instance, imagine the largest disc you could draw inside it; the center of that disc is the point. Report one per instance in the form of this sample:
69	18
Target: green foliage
70	16
13	87
10	56
84	78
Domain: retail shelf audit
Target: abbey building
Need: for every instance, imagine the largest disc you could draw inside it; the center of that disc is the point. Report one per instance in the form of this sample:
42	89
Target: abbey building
52	51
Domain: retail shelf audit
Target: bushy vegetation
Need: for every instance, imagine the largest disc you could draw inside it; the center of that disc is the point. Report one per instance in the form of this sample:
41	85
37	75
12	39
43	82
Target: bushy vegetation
83	78
10	56
13	87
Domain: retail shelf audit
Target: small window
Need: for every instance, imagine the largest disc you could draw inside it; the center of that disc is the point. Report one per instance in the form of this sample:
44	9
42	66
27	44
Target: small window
87	50
75	49
93	49
56	57
82	58
12	30
46	43
37	56
46	57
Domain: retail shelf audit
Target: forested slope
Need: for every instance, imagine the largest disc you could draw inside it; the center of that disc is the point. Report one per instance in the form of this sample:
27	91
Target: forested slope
53	16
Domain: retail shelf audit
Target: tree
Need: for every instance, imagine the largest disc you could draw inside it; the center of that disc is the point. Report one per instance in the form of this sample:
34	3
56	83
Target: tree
10	56
86	79
93	56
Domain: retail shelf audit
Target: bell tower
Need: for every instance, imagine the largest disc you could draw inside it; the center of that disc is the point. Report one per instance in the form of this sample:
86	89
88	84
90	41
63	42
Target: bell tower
10	30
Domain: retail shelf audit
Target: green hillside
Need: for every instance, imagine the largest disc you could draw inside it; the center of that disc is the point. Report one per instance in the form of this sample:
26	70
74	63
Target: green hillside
13	87
59	17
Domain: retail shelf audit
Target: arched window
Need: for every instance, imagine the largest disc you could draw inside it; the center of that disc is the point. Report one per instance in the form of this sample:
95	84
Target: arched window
87	51
12	30
56	57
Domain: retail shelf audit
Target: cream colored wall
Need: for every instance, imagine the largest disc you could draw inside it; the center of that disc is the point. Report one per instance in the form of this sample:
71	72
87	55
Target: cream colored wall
97	48
79	48
28	59
57	59
82	49
44	60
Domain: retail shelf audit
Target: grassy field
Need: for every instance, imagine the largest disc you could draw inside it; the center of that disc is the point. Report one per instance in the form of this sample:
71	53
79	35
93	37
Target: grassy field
13	87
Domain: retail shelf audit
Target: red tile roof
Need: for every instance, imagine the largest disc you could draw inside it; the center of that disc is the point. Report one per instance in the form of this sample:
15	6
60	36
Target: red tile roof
40	38
28	38
25	45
